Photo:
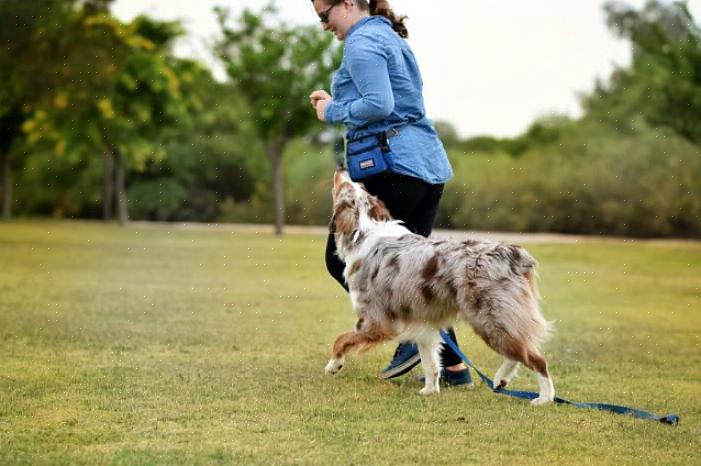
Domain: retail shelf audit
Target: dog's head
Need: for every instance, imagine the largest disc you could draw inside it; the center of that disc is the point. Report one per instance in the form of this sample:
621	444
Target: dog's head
351	202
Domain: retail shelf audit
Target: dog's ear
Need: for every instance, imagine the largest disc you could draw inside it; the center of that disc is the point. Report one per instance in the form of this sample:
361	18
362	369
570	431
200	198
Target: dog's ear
340	176
345	218
378	210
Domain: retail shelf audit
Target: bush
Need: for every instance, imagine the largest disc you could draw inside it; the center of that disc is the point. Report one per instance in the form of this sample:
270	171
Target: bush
155	199
641	185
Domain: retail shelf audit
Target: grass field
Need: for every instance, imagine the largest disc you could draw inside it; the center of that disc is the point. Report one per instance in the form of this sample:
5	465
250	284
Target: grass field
150	346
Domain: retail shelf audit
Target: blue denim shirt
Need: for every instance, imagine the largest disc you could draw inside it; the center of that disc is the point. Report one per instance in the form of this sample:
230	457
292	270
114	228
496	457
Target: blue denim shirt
378	87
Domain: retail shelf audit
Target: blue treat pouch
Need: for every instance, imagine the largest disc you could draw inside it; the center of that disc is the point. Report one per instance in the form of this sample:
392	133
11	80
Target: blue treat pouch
368	156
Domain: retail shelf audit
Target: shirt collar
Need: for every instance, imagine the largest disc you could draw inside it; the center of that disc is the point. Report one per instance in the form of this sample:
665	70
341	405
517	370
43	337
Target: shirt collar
365	20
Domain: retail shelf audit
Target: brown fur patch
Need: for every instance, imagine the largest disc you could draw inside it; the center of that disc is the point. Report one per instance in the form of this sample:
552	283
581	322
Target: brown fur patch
355	267
430	268
515	350
345	217
452	289
474	295
361	341
405	312
427	292
537	363
378	210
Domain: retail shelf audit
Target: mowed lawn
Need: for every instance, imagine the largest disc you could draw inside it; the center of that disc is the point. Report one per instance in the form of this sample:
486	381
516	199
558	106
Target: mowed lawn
162	346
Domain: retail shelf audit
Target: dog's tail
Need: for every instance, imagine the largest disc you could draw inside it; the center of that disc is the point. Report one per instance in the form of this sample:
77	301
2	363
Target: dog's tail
524	265
544	328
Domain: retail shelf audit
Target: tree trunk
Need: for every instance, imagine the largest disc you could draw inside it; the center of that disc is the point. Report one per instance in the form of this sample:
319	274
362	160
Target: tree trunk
275	156
122	214
107	184
6	186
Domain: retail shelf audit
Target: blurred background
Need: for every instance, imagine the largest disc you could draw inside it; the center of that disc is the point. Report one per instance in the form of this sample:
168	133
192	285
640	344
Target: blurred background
579	117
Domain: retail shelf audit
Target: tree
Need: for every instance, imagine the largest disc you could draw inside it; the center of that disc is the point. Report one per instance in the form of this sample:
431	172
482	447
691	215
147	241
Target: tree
29	39
447	132
214	163
275	67
663	83
144	97
120	87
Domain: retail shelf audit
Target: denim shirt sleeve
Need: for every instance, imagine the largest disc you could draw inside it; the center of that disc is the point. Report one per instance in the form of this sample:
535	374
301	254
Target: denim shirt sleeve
367	66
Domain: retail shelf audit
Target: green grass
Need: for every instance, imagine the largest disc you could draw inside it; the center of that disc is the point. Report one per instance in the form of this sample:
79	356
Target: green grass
150	346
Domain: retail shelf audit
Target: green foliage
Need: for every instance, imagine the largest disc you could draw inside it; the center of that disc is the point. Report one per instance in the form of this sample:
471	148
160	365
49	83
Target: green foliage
594	181
58	186
112	89
157	199
30	62
29	39
447	132
486	144
140	92
80	83
664	82
309	179
216	160
274	67
542	132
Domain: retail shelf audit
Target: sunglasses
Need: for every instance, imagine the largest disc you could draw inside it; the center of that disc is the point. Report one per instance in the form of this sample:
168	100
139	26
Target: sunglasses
324	15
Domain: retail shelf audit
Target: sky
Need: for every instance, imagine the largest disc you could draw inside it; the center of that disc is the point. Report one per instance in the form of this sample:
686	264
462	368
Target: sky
488	66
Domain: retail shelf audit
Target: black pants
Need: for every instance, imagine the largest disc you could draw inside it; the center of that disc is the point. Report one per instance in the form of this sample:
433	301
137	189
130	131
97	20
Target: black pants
411	200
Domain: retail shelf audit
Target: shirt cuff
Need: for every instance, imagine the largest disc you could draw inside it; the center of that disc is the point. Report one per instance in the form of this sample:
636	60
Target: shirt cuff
334	112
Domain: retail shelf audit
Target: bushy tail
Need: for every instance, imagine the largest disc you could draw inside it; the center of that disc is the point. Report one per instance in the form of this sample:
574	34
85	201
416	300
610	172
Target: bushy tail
520	260
525	266
545	327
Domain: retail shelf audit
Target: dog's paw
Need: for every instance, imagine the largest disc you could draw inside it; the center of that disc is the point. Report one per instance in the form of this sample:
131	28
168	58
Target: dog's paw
427	391
541	401
333	366
500	384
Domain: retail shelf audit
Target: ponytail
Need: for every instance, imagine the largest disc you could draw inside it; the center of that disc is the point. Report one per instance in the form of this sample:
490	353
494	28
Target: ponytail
382	8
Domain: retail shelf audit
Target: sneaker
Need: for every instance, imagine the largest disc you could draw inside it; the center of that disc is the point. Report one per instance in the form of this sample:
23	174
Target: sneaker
406	356
461	378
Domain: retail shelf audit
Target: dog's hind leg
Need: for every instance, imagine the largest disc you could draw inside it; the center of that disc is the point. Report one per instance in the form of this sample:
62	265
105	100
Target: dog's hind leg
537	363
530	357
505	373
517	351
429	350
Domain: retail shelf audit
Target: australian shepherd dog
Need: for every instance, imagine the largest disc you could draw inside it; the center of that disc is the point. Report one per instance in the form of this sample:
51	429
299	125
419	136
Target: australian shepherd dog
405	286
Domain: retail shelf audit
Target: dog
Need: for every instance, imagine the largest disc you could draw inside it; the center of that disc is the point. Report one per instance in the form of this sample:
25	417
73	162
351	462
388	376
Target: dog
405	286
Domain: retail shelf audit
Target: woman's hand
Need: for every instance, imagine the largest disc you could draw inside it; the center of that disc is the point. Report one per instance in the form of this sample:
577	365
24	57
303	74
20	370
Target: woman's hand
319	100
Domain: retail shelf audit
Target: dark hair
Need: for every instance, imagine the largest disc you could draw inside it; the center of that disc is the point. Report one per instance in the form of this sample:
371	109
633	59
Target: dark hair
380	8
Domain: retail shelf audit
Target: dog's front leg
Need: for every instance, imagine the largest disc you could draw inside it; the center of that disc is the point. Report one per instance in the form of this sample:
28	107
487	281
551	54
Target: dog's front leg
429	350
334	365
366	335
343	343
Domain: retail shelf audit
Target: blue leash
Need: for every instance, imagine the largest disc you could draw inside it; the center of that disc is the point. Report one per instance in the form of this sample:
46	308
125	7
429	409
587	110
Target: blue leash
671	419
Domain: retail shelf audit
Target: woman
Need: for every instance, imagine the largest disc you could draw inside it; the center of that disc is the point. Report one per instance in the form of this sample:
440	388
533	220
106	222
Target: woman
378	88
